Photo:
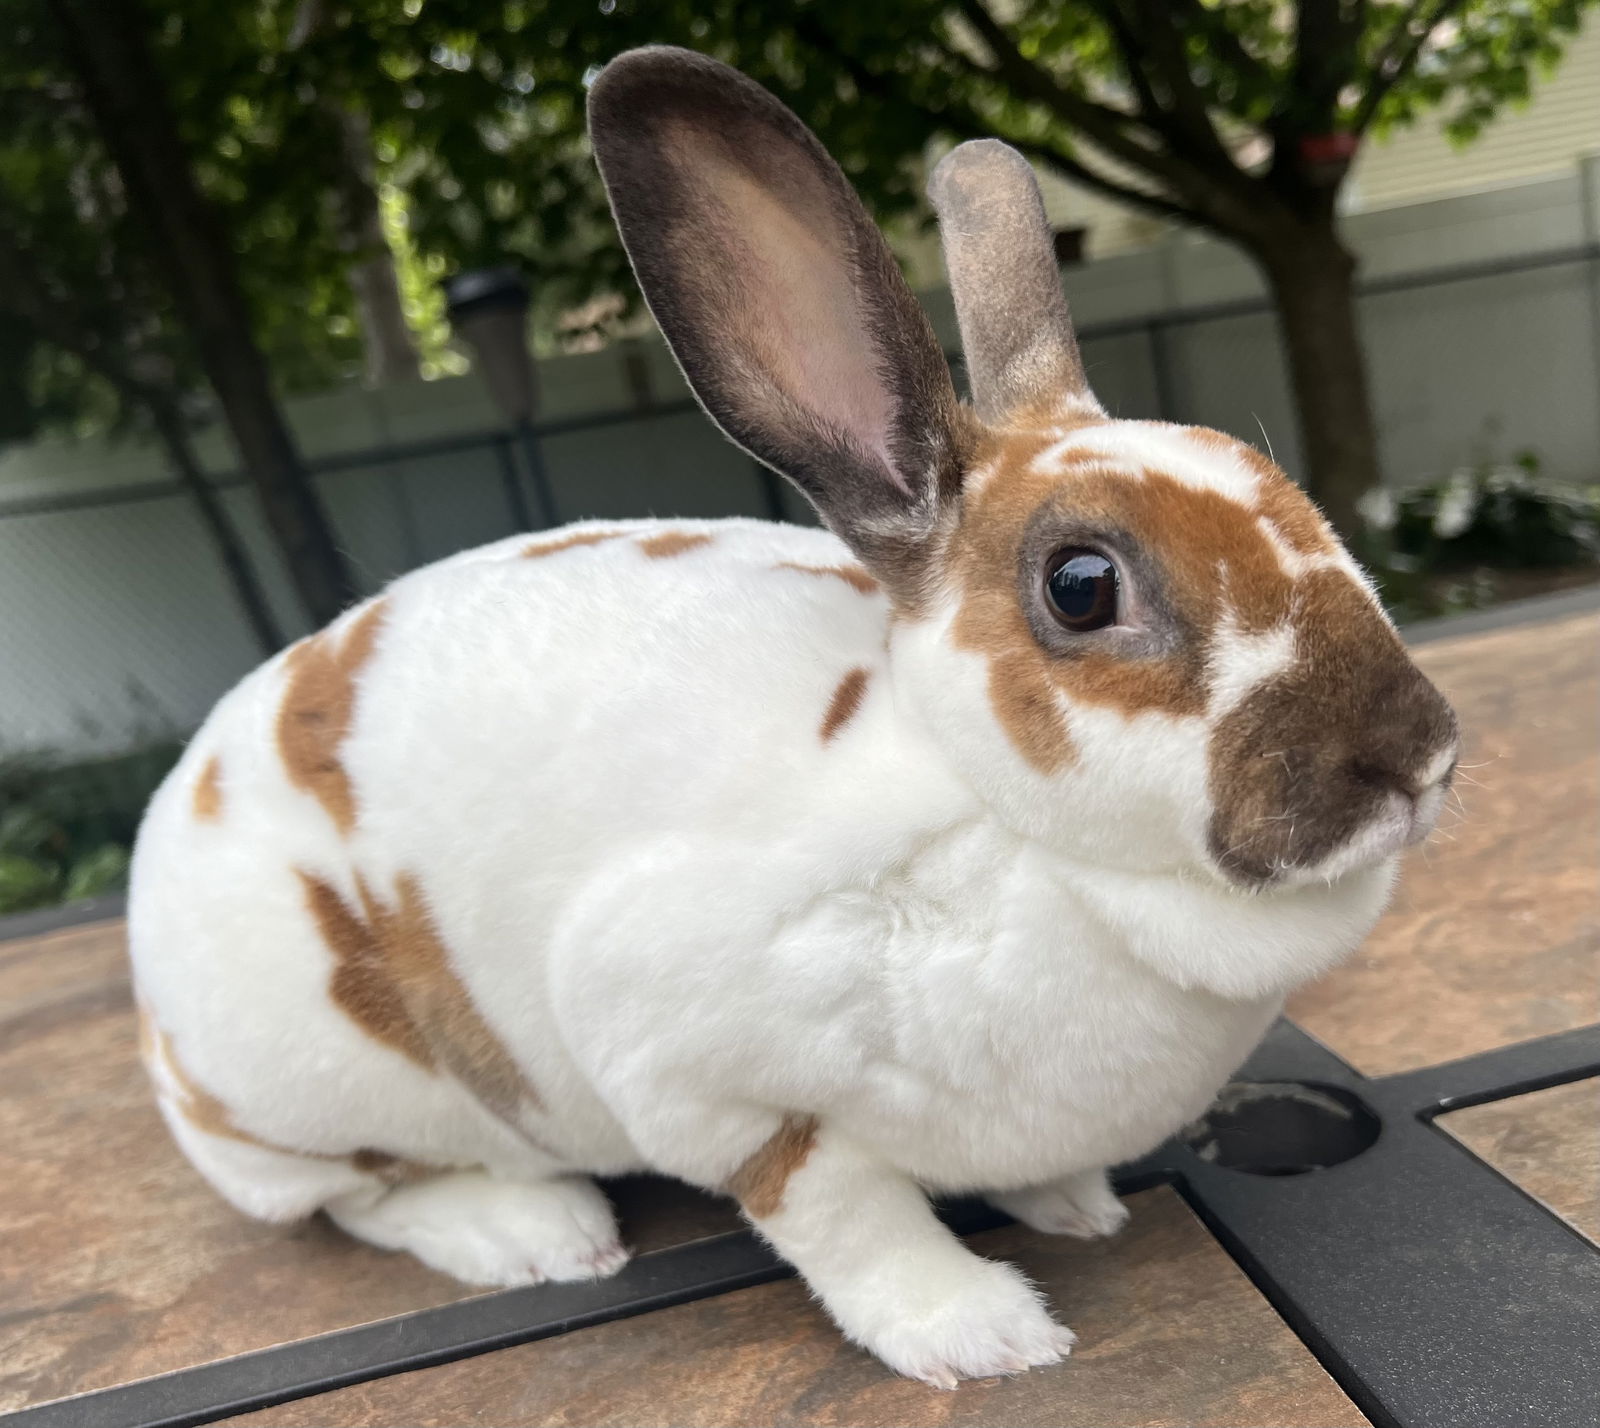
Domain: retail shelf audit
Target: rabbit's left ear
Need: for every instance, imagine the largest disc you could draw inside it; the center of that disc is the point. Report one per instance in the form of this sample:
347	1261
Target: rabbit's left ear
781	300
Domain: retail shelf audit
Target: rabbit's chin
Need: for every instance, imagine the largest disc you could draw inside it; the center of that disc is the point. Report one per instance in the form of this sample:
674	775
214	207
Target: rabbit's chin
1397	826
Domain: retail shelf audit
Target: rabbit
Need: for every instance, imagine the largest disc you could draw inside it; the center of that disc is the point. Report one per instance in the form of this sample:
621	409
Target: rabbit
965	845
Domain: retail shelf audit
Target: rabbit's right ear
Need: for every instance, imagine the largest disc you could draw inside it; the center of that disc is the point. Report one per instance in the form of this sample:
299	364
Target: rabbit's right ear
1016	333
781	301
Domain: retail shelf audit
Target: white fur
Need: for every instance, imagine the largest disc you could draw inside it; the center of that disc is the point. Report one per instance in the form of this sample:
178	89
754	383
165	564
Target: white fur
686	915
1134	447
1240	661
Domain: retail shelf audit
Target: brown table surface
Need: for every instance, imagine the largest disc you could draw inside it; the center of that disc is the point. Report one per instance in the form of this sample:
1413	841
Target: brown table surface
1170	1332
121	1263
1548	1142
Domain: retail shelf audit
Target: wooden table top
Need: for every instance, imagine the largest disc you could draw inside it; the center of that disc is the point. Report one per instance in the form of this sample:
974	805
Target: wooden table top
121	1263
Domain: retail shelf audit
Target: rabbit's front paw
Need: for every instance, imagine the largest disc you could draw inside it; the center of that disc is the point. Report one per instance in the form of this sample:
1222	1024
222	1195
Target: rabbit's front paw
993	1323
1083	1206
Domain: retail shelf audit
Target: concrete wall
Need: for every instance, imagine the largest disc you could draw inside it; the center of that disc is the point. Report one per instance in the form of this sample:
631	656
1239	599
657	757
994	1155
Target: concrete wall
116	623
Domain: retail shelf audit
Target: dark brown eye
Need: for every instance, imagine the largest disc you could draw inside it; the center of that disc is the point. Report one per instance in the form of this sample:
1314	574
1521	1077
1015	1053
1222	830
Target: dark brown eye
1082	587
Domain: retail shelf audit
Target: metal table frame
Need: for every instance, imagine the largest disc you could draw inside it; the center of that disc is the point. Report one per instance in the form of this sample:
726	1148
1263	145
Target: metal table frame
1433	1290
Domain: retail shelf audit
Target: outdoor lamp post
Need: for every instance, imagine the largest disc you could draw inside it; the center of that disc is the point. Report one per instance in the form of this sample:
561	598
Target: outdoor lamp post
488	309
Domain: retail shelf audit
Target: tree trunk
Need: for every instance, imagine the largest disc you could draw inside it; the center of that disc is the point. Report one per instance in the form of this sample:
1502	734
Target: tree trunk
1312	277
386	336
113	61
235	560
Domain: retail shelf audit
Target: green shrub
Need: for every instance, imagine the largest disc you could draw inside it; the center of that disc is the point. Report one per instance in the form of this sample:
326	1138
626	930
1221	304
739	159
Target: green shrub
1432	548
66	829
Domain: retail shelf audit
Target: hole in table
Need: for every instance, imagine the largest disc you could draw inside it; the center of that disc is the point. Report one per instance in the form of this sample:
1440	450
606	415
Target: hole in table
1282	1128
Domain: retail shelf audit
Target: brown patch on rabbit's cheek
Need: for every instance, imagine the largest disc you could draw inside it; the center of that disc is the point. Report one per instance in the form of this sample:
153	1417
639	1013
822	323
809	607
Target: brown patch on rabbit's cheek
760	1182
539	549
394	978
852	575
670	543
1025	702
846	700
208	791
318	708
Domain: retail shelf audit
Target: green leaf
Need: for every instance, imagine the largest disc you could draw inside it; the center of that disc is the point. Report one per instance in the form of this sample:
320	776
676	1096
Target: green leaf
26	883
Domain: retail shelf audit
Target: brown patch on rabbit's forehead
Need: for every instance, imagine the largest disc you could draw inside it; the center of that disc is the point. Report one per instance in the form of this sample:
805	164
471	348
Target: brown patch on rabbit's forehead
318	708
208	791
1221	559
670	543
393	976
758	1184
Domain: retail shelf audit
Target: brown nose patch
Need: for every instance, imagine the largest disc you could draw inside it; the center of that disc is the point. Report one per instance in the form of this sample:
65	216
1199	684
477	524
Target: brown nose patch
1309	757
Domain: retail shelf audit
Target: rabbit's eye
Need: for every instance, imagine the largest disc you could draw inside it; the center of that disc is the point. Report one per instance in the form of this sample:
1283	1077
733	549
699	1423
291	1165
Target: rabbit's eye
1082	587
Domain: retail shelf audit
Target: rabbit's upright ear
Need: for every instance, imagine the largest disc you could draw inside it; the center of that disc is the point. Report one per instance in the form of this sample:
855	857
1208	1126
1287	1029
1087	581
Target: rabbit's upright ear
1016	333
781	300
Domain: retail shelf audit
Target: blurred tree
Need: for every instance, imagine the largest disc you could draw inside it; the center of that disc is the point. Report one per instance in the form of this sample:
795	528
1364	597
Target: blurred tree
81	313
119	77
1237	116
105	222
453	130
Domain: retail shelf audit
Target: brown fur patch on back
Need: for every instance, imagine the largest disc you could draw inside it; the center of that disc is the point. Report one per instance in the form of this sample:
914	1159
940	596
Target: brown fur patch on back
759	1183
208	791
319	701
852	575
393	977
539	549
846	700
670	543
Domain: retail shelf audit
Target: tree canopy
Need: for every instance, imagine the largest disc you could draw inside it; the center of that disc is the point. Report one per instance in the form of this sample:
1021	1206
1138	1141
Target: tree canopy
454	131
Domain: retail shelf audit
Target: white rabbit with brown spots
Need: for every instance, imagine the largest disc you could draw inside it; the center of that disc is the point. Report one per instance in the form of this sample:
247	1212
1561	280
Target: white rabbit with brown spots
968	845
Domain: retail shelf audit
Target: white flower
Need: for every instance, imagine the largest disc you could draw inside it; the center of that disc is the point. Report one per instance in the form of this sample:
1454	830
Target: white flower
1456	506
1378	509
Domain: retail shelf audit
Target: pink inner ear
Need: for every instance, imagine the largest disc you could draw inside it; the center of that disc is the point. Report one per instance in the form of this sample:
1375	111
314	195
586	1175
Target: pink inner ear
802	318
